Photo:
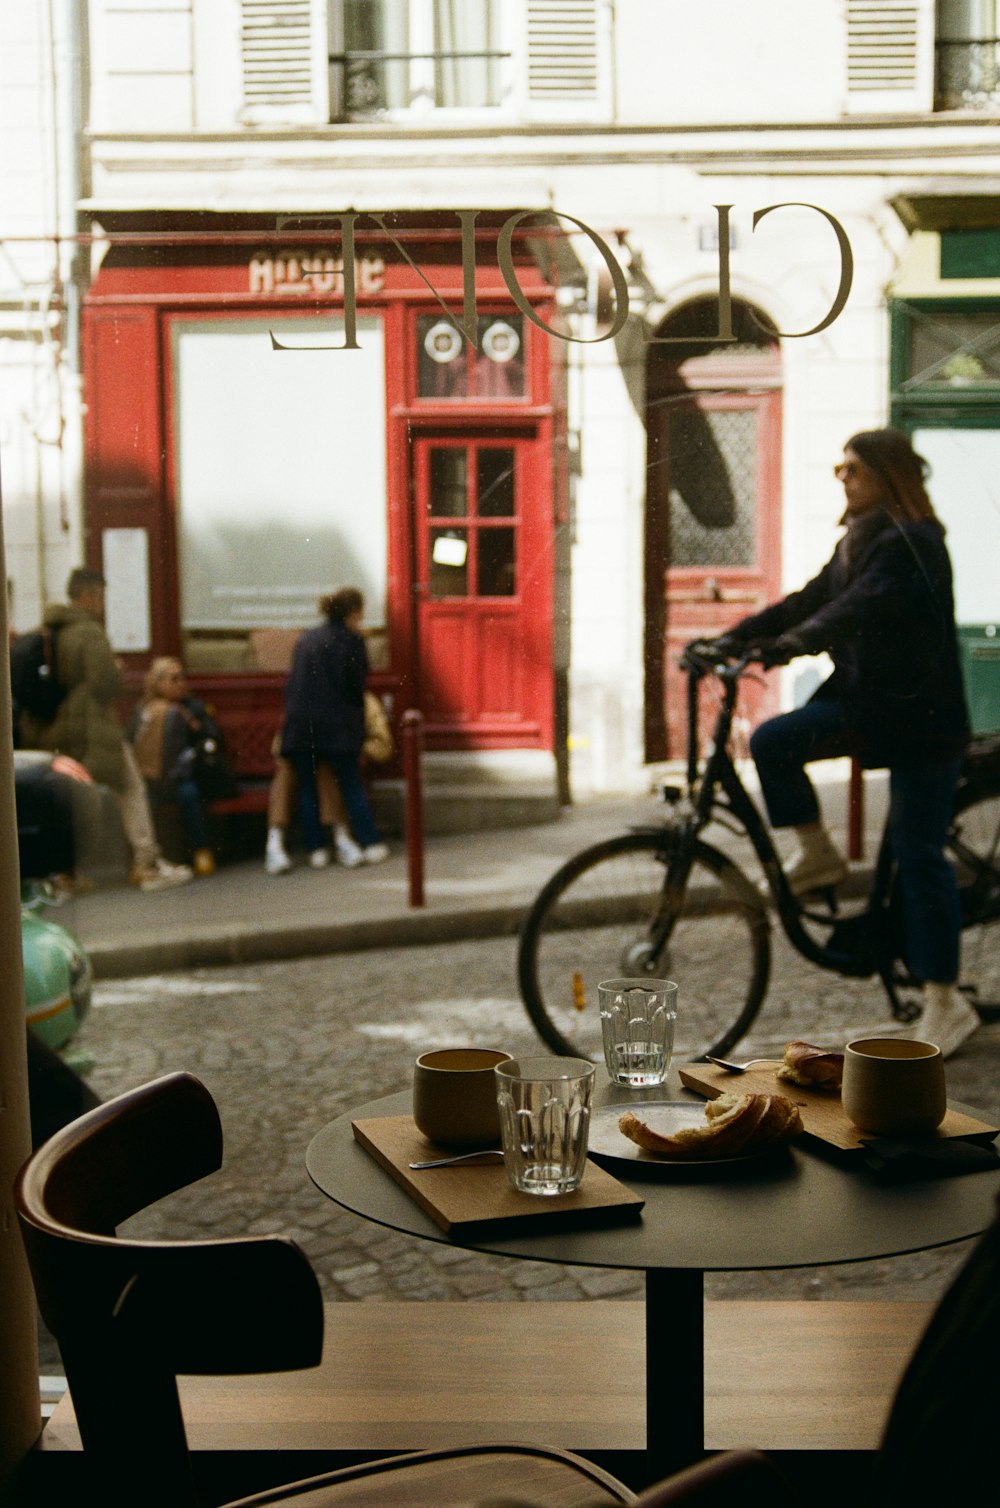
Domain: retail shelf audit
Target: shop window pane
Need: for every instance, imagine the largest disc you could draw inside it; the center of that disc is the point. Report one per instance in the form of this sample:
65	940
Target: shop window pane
953	348
449	483
279	460
496	576
712	460
448	369
449	563
495	476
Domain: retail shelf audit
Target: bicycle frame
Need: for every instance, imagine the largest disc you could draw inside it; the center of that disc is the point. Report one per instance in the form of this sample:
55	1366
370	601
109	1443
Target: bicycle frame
719	774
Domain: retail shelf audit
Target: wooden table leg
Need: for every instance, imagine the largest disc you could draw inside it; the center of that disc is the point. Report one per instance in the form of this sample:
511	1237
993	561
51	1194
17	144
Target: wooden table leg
675	1370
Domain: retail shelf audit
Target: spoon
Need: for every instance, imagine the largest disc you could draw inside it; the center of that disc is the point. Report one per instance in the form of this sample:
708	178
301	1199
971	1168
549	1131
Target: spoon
740	1067
447	1162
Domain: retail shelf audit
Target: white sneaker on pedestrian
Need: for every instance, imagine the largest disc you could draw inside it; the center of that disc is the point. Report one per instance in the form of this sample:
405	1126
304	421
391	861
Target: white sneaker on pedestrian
320	858
375	853
947	1020
348	852
161	875
276	861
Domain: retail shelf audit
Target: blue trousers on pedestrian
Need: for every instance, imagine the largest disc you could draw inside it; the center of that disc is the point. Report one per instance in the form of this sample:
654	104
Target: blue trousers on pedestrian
921	805
356	803
192	810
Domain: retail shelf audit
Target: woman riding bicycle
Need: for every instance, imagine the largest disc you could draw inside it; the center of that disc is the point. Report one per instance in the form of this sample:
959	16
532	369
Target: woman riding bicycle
883	609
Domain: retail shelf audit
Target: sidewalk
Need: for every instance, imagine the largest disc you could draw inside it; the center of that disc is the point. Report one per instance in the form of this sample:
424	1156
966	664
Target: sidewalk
475	885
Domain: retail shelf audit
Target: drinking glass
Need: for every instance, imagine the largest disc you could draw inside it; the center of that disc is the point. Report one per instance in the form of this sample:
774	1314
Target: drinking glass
637	1023
544	1121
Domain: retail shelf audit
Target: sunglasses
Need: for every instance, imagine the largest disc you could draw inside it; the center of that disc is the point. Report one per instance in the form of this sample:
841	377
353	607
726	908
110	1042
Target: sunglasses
845	470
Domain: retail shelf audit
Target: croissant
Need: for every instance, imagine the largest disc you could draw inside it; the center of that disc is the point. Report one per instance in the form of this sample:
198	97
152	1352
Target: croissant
735	1124
810	1066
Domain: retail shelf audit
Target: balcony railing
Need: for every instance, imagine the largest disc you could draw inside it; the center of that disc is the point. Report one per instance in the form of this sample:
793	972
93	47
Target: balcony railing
968	74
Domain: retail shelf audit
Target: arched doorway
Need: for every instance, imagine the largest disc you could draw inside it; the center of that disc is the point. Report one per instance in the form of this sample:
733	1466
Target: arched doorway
713	499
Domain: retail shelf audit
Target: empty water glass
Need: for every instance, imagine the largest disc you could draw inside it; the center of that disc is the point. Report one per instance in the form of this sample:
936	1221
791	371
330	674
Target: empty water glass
544	1121
637	1024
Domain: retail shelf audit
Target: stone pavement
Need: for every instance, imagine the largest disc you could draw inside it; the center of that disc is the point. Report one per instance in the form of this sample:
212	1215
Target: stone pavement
475	885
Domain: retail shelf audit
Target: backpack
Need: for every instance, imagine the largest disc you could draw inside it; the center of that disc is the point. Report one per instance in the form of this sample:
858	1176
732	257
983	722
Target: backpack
33	684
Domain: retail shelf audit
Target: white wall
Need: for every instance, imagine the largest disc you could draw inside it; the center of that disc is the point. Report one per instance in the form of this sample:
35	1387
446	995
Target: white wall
39	393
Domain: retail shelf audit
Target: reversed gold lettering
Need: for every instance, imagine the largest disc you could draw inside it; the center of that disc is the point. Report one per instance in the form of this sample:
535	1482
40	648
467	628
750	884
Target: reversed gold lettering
725	330
505	257
846	269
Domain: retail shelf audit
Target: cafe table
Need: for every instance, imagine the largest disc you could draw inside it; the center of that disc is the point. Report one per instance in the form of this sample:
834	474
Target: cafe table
803	1208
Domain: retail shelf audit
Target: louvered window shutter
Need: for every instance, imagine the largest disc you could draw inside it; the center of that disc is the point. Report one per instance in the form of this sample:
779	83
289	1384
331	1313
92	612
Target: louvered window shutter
284	54
890	56
567	58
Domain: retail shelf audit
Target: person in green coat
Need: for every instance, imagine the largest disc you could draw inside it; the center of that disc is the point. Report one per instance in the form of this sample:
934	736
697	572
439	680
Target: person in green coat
86	726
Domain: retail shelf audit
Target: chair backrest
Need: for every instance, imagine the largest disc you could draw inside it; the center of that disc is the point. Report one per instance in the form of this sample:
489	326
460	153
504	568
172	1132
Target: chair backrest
938	1444
130	1315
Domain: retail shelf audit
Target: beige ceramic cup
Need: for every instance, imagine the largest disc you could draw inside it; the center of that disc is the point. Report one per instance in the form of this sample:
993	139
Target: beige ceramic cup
894	1084
455	1097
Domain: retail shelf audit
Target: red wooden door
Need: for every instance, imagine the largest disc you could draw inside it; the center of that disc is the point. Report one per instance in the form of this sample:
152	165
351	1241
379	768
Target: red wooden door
715	535
484	641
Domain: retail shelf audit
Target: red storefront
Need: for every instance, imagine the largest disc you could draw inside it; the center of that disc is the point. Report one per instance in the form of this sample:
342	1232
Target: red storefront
254	439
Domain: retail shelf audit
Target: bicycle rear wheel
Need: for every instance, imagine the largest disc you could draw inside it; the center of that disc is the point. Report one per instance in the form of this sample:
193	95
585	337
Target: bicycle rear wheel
595	920
974	848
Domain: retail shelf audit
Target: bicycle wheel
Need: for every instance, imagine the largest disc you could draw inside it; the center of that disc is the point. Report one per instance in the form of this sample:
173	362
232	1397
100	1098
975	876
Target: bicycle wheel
594	921
974	848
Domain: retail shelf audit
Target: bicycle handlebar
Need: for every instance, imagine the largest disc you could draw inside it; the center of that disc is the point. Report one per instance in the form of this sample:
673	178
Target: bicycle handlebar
703	656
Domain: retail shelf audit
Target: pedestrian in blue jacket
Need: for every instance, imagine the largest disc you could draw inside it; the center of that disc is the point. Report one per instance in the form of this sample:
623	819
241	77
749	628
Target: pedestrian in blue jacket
325	722
883	609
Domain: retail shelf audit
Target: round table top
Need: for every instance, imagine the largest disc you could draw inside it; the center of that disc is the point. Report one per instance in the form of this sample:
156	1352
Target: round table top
802	1209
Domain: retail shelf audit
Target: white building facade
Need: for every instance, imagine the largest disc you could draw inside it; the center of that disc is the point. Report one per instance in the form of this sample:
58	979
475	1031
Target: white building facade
801	217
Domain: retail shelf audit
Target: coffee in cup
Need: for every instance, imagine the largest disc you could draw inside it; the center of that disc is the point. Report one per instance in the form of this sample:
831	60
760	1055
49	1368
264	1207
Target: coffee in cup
894	1085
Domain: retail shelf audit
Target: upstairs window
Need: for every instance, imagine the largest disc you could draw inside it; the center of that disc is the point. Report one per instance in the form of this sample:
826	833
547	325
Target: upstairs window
417	56
968	55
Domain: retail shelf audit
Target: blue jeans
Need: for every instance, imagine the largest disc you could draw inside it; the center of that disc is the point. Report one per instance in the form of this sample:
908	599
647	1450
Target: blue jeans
192	809
345	768
921	805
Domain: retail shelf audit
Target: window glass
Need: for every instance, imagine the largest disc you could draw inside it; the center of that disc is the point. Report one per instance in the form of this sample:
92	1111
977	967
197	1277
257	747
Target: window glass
449	483
495	471
449	563
495	576
448	368
271	479
712	461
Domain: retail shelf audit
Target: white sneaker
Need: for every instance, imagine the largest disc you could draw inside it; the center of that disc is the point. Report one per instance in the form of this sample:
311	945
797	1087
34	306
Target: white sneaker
319	858
375	853
163	876
348	852
816	872
947	1023
276	861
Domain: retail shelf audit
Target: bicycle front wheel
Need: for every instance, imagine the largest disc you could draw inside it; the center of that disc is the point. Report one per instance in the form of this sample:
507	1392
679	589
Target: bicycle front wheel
974	849
599	917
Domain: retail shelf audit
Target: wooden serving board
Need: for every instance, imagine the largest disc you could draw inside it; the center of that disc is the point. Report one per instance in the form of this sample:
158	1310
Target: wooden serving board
823	1115
475	1200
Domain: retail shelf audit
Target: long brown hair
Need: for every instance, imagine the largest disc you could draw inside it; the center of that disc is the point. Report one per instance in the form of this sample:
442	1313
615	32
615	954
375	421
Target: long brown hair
890	454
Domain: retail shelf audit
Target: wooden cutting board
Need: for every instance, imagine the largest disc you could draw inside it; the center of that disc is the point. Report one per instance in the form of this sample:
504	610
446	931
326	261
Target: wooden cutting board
475	1200
823	1115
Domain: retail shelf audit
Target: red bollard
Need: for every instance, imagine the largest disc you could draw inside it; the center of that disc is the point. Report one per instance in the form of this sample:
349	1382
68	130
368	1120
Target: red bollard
855	812
413	738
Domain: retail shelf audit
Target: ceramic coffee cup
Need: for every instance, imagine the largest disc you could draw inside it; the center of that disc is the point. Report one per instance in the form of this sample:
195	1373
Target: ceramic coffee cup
894	1085
455	1097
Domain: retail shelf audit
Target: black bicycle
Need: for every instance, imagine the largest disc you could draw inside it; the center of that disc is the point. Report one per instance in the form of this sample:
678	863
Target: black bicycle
658	900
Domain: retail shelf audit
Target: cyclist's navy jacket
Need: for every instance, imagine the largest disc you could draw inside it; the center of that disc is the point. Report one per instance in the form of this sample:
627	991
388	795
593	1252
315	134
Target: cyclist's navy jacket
888	624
